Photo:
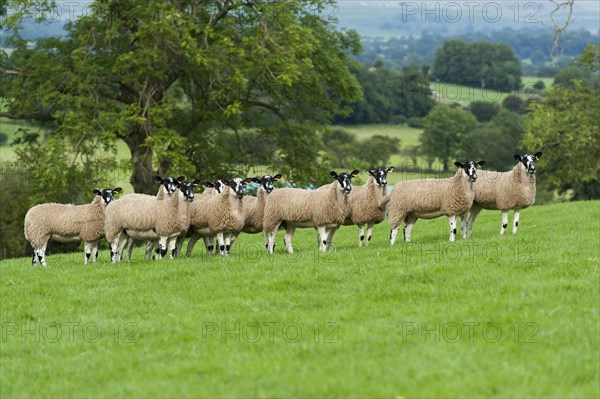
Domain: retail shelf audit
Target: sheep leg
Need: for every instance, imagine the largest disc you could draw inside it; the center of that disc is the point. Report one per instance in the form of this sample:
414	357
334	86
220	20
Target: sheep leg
504	222
471	220
330	235
410	222
288	237
172	242
192	243
234	237
120	244
210	245
161	250
149	248
40	253
516	221
271	241
369	232
87	250
394	233
323	235
130	243
94	251
221	240
361	234
452	222
227	243
180	240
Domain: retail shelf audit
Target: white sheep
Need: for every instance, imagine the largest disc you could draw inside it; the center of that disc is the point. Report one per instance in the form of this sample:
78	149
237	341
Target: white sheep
68	223
204	233
432	198
167	187
367	204
324	209
220	215
148	220
254	207
504	191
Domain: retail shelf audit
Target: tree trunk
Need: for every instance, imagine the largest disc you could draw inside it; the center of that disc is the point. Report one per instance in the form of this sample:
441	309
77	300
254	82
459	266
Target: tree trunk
142	178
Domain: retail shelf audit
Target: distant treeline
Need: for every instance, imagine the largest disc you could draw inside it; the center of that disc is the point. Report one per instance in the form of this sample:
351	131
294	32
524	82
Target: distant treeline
532	46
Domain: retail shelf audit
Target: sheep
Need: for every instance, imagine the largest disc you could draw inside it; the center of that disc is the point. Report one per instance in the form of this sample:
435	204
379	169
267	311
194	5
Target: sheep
195	234
432	198
324	209
148	220
254	207
367	204
504	191
168	187
220	215
68	223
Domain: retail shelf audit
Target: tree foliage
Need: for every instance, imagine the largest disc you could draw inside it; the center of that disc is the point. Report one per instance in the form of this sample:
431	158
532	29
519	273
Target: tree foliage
484	111
389	95
478	64
445	129
566	127
174	78
497	141
343	149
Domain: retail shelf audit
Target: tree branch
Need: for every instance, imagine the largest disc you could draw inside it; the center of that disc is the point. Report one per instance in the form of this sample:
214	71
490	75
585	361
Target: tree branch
10	72
37	117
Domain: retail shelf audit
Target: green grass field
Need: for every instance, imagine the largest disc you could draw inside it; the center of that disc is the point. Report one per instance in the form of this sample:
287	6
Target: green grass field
492	316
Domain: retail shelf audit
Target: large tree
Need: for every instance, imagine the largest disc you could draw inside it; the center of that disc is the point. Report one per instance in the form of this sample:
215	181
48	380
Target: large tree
445	129
479	64
172	78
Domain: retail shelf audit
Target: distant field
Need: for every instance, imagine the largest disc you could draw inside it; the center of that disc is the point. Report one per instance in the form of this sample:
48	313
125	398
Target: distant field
491	316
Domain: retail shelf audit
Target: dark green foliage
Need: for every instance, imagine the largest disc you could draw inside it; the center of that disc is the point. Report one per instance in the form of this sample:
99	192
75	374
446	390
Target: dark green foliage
389	95
566	76
515	104
478	64
415	121
3	138
496	142
566	127
190	87
445	129
14	202
483	110
539	85
344	150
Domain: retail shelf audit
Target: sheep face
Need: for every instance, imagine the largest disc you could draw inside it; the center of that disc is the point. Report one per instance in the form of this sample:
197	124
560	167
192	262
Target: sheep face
380	175
108	194
171	184
236	186
344	180
187	189
267	182
469	169
528	161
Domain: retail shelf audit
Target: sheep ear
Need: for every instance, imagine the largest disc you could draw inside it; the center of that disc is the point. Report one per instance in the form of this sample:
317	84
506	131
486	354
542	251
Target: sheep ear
333	174
354	172
517	157
537	155
256	180
277	177
225	182
390	169
97	192
371	172
208	184
196	182
158	178
180	179
117	190
481	163
248	180
459	164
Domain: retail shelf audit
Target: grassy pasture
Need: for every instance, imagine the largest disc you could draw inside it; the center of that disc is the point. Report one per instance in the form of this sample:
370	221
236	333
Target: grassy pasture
510	316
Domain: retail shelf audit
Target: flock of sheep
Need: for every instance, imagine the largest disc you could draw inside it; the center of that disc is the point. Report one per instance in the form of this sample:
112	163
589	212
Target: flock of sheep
222	210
